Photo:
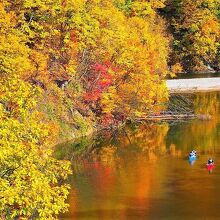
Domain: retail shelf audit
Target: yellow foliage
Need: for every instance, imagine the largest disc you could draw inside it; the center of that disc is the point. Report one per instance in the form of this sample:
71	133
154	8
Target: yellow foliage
197	33
29	175
176	68
48	50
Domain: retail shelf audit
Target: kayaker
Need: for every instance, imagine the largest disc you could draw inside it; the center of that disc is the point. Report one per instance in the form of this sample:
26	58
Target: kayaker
194	151
192	154
210	161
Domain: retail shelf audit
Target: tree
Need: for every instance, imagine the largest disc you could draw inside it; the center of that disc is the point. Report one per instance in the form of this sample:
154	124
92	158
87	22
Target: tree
30	178
195	27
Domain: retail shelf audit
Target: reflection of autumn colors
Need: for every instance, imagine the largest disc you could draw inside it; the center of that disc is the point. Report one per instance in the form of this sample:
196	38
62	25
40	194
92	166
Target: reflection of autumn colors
202	134
147	141
142	171
207	103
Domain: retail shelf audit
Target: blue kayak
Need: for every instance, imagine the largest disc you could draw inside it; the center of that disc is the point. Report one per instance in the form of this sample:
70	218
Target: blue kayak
191	157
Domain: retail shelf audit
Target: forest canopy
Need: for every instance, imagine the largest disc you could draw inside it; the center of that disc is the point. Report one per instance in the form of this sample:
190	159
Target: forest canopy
69	67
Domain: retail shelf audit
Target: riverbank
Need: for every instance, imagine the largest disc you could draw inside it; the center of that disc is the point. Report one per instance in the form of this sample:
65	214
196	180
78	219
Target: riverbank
193	85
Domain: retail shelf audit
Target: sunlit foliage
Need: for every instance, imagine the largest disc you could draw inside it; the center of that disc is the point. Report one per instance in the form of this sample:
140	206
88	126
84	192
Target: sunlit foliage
110	57
30	178
69	66
196	29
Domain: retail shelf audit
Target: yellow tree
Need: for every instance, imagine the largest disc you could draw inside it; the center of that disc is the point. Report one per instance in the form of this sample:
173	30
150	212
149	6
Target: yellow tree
140	50
127	58
30	178
196	29
112	55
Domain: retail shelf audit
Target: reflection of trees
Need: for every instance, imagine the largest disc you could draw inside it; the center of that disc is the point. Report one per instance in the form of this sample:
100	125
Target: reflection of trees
207	103
135	141
152	140
142	141
117	172
202	135
118	168
147	139
75	150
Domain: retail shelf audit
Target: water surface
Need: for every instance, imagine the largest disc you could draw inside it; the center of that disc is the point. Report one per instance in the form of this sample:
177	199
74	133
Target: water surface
142	171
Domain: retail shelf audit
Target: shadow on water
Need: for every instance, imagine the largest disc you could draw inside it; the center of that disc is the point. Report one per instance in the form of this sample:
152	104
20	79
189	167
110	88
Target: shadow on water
143	171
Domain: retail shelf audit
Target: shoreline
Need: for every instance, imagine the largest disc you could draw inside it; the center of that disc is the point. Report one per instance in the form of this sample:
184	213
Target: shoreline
193	90
174	86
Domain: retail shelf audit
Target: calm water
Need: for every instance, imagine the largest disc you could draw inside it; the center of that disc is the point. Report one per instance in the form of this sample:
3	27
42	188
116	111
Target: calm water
142	171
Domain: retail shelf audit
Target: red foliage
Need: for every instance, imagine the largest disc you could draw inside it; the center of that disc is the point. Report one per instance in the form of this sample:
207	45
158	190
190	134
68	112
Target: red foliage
98	67
92	96
102	78
107	120
73	36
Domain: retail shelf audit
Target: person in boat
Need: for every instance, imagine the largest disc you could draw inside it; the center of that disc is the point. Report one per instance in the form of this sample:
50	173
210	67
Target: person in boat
210	161
192	153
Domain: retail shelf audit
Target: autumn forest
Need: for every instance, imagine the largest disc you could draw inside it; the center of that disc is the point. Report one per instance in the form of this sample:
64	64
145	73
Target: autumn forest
72	67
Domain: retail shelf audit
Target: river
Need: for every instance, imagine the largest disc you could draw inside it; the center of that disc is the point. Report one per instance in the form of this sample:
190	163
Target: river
142	171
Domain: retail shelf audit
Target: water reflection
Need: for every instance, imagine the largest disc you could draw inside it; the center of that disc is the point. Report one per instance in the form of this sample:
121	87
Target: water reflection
143	172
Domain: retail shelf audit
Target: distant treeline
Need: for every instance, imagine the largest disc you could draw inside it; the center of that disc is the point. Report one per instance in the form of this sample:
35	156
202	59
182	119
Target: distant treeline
195	30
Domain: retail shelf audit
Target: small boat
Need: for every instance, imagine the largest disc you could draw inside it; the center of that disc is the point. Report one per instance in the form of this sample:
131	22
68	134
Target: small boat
192	159
192	156
210	166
